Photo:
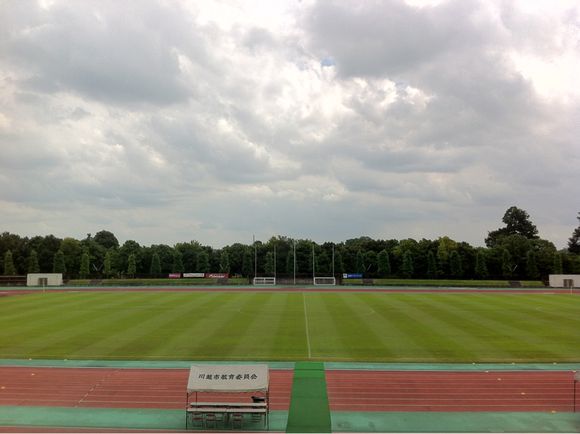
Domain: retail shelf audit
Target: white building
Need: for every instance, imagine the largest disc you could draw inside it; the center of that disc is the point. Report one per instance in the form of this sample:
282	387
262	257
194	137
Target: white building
44	279
565	280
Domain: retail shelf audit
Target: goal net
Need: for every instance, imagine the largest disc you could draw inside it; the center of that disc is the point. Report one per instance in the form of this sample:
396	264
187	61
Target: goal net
264	280
324	281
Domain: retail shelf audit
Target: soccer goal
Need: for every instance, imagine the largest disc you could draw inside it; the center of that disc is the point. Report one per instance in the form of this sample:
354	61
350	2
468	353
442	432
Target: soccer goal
264	280
324	281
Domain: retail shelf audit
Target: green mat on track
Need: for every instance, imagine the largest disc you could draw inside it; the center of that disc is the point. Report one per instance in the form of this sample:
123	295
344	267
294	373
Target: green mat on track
309	411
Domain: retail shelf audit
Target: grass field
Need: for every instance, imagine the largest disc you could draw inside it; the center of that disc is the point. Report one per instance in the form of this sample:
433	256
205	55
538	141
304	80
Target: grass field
345	326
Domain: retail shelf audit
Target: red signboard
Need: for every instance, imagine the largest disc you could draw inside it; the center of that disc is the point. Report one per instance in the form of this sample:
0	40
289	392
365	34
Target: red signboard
216	275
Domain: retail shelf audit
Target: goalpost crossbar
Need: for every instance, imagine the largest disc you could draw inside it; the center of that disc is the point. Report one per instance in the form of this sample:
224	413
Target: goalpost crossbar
324	281
264	281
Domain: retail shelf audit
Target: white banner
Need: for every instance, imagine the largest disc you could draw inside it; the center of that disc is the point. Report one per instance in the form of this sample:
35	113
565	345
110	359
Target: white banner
228	378
198	275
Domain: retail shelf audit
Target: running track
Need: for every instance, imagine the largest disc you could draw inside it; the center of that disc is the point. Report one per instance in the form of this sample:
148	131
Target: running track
543	391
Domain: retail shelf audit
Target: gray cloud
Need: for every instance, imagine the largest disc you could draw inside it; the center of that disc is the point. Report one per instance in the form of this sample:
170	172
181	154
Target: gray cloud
170	121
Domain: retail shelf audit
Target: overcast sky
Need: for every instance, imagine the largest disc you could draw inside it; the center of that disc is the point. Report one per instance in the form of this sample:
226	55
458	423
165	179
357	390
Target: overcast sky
169	121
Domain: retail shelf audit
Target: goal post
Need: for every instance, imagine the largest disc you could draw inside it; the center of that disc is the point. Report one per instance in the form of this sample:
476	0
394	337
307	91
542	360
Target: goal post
264	281
324	281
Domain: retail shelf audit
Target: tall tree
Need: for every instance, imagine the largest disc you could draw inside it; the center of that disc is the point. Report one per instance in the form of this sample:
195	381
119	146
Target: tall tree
455	266
574	240
506	264
558	267
432	271
9	268
224	262
480	265
407	269
203	262
177	266
59	265
106	239
360	262
269	264
248	262
33	266
517	222
384	263
85	264
132	265
108	264
155	269
531	265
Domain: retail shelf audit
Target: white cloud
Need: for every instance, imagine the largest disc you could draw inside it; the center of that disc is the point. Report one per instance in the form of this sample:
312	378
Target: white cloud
325	120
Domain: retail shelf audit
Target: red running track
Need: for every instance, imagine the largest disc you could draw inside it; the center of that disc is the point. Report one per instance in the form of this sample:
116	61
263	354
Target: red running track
451	391
347	390
117	388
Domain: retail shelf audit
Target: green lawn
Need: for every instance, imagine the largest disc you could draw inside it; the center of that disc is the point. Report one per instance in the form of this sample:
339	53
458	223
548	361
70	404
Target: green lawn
291	326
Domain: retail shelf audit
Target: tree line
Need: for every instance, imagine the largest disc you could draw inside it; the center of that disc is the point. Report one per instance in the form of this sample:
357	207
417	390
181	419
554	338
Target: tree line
513	251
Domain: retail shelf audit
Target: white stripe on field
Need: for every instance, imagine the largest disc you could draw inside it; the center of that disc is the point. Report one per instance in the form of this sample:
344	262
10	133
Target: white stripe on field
306	325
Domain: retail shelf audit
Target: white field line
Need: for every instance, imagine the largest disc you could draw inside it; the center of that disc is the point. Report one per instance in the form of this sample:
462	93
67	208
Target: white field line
306	326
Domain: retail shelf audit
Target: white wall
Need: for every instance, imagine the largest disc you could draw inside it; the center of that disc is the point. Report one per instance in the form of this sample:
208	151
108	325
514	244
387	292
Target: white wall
53	279
557	280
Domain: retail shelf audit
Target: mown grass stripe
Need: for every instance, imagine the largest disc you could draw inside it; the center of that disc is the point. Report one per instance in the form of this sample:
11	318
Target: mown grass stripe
287	339
399	339
357	336
58	330
379	327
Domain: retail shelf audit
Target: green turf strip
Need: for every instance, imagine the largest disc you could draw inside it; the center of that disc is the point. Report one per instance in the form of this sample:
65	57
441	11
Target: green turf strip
455	422
113	418
309	411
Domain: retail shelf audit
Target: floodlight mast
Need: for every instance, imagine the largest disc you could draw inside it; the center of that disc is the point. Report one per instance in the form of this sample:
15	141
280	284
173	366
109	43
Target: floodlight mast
255	257
313	270
294	245
333	260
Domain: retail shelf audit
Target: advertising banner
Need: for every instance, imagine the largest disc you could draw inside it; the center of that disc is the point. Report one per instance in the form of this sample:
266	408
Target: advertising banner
352	276
194	275
216	275
175	275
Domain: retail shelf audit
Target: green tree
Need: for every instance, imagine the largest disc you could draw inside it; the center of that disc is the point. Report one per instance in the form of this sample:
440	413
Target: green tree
72	250
455	266
132	265
444	249
108	264
531	265
506	264
33	266
384	263
203	262
432	271
269	264
290	262
574	240
248	262
85	264
224	262
9	268
59	265
407	265
177	266
517	222
338	262
481	271
558	266
360	262
155	269
106	239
